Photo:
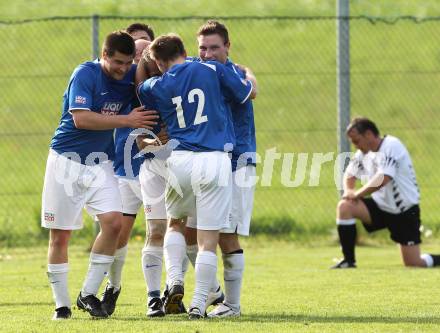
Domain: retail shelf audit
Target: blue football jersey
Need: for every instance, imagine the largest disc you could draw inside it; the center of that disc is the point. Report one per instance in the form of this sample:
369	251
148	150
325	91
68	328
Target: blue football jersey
192	99
91	89
244	128
122	137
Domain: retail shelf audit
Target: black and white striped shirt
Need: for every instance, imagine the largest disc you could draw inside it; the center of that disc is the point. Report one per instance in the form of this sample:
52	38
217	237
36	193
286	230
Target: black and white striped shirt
392	159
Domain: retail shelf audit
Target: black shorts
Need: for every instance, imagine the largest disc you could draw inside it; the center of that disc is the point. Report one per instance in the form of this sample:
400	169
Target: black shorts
404	227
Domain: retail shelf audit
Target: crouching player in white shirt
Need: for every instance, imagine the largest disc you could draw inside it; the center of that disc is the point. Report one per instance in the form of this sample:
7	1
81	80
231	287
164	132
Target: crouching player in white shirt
386	166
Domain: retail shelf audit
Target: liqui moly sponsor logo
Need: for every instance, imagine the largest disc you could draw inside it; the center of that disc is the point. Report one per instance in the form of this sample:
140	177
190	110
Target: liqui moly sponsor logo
111	108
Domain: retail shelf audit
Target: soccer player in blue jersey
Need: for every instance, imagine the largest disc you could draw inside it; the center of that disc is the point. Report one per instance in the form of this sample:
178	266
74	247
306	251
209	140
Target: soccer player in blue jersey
190	97
127	170
79	170
214	44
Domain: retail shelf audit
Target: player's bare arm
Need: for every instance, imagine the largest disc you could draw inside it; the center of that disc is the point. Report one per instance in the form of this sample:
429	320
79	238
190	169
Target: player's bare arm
374	184
137	118
349	186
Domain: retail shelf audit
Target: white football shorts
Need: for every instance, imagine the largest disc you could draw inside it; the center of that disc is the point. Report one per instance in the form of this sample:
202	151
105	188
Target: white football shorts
131	195
243	189
199	185
70	186
152	177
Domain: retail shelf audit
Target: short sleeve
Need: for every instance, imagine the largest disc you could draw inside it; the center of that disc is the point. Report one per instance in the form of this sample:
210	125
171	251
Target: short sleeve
390	157
81	89
146	98
355	167
235	88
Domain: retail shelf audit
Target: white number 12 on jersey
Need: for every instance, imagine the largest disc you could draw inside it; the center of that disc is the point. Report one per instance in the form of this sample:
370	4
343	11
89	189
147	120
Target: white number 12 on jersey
200	105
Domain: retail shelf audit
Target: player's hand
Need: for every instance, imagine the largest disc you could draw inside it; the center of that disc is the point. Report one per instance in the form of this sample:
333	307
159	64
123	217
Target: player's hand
141	118
243	68
160	140
140	142
163	134
350	195
141	45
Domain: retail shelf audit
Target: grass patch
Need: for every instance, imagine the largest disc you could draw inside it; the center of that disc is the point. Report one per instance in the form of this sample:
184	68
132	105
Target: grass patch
287	288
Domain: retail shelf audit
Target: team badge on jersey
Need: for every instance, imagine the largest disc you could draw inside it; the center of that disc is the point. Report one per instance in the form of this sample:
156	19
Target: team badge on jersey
80	100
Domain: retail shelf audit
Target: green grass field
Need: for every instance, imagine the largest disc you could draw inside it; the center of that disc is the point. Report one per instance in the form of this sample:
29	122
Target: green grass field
394	78
287	288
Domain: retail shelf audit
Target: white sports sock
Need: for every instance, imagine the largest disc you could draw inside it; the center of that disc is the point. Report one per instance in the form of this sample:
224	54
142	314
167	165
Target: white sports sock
57	274
345	221
174	253
115	274
191	252
233	275
427	258
98	268
206	270
152	268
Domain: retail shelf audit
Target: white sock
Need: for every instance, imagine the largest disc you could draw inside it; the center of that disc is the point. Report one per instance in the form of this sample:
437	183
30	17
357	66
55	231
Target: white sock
115	274
174	253
345	221
427	258
233	275
57	274
191	252
152	268
98	268
206	270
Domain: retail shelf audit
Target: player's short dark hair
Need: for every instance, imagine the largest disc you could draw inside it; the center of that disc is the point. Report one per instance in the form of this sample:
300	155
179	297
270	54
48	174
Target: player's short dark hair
213	27
167	47
362	124
140	27
119	41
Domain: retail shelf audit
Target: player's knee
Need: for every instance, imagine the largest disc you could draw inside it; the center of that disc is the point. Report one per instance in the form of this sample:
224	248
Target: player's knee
414	262
115	226
409	263
124	237
59	239
176	225
112	225
156	229
344	207
229	243
155	239
208	244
